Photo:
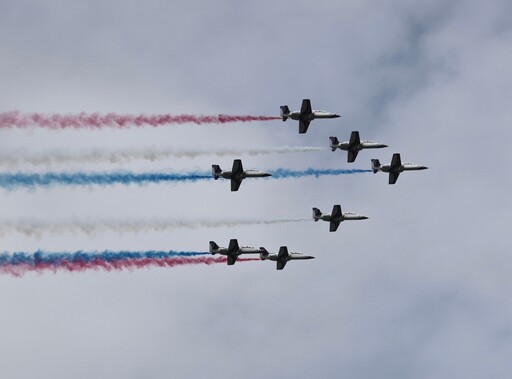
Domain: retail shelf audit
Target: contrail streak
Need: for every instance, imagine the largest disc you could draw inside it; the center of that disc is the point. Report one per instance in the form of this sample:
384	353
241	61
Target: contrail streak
150	154
16	119
11	181
30	228
19	263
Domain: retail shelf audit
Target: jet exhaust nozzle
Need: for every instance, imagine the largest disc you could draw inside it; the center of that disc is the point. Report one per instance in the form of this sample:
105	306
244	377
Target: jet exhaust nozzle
216	171
375	165
316	214
285	112
213	247
334	143
263	253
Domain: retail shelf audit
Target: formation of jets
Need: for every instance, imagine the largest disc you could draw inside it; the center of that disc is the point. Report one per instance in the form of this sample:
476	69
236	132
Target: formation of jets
353	146
233	251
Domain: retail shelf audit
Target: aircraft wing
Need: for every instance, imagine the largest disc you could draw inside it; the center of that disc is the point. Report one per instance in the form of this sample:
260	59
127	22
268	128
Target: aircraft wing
303	126
354	138
336	212
333	226
396	162
352	155
233	246
232	259
235	184
238	169
283	253
305	109
281	264
393	177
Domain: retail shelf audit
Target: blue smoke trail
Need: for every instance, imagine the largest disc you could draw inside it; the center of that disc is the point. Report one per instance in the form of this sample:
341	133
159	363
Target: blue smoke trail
282	173
10	181
54	258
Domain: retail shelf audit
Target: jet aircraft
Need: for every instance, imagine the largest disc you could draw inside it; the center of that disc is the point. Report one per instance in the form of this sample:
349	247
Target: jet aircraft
354	146
282	257
395	167
237	174
305	115
232	251
336	217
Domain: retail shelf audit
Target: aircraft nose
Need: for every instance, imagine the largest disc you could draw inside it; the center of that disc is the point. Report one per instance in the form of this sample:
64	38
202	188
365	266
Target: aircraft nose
267	174
336	115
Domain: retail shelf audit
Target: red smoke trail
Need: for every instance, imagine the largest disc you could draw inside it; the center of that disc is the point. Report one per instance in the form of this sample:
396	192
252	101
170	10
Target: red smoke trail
17	119
102	264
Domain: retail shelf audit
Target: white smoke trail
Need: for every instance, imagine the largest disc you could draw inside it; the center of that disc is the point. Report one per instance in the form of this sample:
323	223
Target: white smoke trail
13	160
36	229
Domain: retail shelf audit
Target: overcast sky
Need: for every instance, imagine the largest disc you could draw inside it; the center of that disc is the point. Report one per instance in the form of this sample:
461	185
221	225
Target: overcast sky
420	290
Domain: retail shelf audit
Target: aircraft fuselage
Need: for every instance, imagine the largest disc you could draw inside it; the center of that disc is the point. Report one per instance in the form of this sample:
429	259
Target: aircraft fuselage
296	115
291	256
345	146
244	174
404	167
343	217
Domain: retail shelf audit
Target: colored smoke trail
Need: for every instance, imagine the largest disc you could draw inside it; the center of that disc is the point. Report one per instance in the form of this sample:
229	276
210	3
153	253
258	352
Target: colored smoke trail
36	229
16	119
150	154
10	181
283	173
17	264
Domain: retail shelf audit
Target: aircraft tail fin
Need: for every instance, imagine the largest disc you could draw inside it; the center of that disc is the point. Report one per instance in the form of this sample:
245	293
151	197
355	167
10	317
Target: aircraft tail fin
285	111
375	165
316	214
334	143
263	253
216	171
213	247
